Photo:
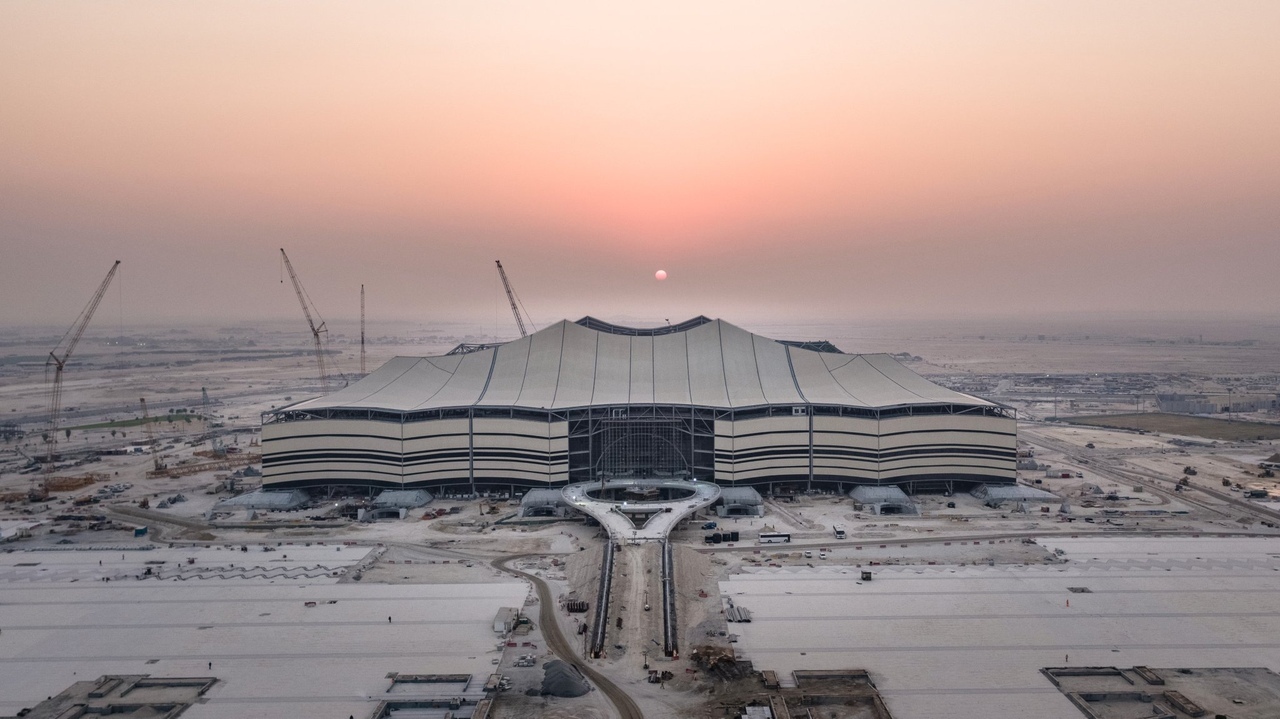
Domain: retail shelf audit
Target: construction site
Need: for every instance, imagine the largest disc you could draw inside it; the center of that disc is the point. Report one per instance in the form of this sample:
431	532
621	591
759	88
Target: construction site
147	556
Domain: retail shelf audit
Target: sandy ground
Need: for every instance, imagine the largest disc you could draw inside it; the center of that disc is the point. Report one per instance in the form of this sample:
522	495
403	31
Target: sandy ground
455	550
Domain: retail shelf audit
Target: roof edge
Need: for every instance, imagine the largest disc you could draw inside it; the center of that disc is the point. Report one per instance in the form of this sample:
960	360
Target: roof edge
601	326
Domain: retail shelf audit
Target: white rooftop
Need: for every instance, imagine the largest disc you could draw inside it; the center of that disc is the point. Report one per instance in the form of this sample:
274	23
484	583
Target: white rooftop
702	362
968	642
275	657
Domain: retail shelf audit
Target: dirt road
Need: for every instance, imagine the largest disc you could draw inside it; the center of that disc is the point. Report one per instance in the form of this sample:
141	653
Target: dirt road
562	648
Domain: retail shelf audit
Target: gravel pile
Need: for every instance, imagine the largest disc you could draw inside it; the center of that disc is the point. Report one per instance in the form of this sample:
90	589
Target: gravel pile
560	679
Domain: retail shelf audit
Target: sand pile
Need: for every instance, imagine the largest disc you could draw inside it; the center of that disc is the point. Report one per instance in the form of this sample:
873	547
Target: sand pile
560	679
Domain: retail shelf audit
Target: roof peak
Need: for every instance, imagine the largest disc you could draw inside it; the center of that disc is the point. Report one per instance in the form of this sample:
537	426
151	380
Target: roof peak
601	326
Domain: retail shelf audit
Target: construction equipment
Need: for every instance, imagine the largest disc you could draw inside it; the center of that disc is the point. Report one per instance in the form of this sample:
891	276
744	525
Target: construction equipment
59	364
516	304
362	329
151	434
316	330
214	441
224	464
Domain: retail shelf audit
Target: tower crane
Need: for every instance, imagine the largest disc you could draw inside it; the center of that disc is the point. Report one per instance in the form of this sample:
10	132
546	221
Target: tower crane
316	331
151	434
361	329
58	363
215	442
516	304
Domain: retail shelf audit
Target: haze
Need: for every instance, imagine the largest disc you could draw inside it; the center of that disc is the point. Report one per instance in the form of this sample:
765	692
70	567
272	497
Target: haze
780	160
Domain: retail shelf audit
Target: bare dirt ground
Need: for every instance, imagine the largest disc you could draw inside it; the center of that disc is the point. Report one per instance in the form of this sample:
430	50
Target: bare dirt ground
1184	425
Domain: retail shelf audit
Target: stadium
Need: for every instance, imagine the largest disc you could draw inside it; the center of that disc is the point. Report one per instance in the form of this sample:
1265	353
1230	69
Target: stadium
589	401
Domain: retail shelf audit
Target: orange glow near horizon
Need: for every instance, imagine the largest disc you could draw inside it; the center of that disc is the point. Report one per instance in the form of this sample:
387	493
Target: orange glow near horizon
895	133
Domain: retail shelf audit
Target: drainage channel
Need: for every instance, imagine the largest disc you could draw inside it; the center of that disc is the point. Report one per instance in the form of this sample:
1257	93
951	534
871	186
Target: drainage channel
600	626
669	634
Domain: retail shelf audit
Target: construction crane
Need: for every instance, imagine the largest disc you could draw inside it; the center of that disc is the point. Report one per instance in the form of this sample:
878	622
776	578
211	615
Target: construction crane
215	442
151	434
361	329
58	363
516	304
316	331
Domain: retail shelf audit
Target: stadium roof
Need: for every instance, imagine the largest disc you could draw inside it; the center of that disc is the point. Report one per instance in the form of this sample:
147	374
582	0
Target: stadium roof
702	362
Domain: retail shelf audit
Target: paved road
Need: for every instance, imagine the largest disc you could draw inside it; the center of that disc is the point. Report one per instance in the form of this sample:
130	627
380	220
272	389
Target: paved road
1073	532
560	646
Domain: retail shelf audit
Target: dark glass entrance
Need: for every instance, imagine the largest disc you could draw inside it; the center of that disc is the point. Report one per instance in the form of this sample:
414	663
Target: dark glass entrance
641	442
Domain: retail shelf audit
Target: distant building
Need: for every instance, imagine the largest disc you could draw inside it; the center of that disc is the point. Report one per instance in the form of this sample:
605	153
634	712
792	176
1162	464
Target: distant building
1216	403
505	620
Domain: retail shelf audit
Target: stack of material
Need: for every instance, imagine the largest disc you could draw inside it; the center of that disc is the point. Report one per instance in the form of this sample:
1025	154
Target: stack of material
737	614
560	679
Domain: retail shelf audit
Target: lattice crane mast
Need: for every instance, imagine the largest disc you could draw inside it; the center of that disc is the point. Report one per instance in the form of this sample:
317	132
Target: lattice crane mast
516	304
151	434
361	329
316	330
58	363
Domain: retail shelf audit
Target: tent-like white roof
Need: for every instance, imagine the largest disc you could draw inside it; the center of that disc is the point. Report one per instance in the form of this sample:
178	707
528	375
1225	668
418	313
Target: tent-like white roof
703	362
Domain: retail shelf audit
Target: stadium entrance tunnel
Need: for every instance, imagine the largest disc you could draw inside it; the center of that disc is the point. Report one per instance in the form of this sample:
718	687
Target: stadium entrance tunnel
638	442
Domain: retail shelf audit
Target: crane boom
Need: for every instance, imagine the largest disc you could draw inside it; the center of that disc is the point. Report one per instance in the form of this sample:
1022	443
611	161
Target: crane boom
515	301
316	331
59	362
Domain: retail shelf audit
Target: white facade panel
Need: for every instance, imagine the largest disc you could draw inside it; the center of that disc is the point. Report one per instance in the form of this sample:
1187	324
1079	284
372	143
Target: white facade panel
467	383
577	367
613	370
776	380
508	374
917	385
706	366
856	376
543	371
356	394
423	380
641	370
815	381
670	369
741	374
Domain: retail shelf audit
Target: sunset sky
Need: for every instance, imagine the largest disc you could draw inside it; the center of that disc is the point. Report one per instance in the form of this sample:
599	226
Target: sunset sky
828	160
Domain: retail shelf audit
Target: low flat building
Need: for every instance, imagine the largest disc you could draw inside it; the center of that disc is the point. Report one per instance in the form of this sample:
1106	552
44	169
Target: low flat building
124	696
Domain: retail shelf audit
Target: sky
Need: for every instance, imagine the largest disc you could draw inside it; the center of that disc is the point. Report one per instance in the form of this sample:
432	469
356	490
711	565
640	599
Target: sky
818	160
